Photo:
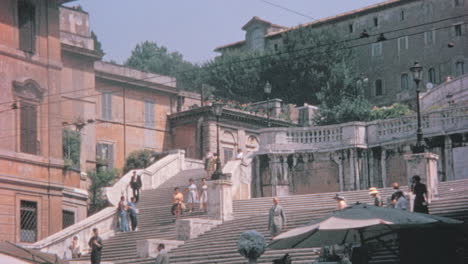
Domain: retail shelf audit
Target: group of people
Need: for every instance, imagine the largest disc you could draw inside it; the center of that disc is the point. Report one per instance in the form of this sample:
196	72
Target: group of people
397	199
212	158
127	210
195	194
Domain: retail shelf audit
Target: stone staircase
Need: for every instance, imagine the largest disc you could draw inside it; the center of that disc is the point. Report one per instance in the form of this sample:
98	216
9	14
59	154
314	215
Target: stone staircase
219	245
154	219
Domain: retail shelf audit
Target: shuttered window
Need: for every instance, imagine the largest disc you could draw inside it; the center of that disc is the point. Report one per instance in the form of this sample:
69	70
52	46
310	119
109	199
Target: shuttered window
404	82
27	26
106	106
432	76
378	87
459	68
28	133
68	218
105	154
149	114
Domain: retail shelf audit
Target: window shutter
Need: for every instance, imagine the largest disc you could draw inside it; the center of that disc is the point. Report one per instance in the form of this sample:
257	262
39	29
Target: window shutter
26	26
28	123
110	156
99	151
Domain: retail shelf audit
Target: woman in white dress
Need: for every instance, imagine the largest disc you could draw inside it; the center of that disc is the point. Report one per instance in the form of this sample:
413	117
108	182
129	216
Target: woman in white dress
192	195
204	196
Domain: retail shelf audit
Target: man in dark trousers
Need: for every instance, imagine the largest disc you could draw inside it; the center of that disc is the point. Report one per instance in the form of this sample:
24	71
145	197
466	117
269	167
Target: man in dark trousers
95	243
135	184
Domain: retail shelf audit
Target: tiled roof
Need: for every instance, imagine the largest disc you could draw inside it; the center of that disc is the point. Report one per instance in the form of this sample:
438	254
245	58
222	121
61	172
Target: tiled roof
256	18
321	21
34	256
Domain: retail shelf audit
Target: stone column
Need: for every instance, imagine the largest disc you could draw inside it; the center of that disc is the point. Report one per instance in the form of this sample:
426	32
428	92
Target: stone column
220	199
352	171
448	159
424	165
370	156
383	166
337	158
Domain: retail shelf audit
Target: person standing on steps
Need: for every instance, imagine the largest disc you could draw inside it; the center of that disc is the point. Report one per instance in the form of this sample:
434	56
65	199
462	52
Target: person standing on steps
375	194
132	211
276	218
204	196
177	203
401	202
396	189
75	248
420	191
163	257
136	184
122	210
340	202
95	243
192	194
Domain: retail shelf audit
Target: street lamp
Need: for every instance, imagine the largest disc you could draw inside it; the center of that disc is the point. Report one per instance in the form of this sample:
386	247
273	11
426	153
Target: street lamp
416	71
267	90
217	111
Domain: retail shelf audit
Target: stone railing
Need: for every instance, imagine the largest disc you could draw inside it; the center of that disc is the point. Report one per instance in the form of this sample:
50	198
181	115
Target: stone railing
58	243
455	90
151	177
313	138
362	135
105	220
193	164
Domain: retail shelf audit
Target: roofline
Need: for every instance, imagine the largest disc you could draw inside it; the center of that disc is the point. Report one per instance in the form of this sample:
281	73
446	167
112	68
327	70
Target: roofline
325	20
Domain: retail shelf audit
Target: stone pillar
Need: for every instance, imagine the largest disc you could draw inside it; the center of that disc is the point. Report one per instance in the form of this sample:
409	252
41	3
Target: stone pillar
337	158
352	171
370	156
220	199
424	165
383	166
448	159
279	185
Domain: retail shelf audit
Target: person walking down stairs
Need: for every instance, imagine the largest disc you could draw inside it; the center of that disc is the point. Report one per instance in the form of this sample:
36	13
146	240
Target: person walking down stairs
132	211
136	184
276	218
163	257
95	243
177	203
192	195
122	211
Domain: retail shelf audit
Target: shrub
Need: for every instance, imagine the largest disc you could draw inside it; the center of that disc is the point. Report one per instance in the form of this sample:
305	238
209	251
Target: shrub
99	180
386	112
139	159
251	245
71	148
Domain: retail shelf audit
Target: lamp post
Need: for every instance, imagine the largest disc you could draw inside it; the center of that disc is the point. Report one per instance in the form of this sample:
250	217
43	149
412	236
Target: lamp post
218	111
267	90
416	71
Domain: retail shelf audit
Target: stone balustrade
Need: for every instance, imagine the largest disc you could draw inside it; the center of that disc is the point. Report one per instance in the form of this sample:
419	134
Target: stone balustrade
362	134
443	94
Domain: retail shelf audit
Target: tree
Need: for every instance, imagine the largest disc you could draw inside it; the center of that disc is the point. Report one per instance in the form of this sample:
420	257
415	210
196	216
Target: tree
150	57
251	245
99	179
139	159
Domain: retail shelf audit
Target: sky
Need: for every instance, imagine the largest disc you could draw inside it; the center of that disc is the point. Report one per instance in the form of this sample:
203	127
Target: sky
195	27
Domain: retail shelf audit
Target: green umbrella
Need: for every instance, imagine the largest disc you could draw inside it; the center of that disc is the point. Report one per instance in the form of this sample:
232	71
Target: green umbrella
356	223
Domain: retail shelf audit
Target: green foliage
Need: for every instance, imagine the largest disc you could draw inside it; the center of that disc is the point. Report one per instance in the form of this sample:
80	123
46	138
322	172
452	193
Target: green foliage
251	244
150	57
99	180
394	111
71	142
97	43
139	159
348	109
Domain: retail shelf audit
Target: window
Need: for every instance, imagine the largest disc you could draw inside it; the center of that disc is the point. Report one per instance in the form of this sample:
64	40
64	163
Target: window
257	39
68	218
458	2
376	21
106	106
26	26
105	155
28	126
432	75
459	68
228	154
402	15
275	47
457	30
149	114
404	82
376	49
28	218
351	28
402	43
429	37
378	88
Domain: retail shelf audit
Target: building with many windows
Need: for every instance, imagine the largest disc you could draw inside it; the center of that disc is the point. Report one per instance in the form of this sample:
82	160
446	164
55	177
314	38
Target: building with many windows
387	39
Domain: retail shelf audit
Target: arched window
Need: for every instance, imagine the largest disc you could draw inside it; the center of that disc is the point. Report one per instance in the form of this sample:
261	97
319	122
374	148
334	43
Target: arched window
404	80
378	87
459	68
432	75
